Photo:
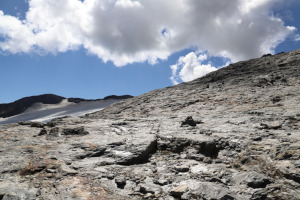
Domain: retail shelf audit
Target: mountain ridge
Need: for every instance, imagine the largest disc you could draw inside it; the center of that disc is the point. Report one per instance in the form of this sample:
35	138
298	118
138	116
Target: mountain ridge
21	105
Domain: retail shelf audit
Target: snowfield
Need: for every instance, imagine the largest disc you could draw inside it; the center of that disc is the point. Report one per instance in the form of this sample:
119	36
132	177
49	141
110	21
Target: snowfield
46	112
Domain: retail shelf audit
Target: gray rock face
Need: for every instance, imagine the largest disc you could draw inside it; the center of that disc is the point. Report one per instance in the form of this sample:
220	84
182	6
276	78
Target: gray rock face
74	131
233	134
256	180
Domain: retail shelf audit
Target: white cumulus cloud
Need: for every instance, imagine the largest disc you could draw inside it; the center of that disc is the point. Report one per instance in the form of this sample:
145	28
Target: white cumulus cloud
190	67
127	31
297	37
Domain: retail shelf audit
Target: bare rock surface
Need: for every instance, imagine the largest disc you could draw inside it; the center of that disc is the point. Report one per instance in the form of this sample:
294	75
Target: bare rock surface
233	134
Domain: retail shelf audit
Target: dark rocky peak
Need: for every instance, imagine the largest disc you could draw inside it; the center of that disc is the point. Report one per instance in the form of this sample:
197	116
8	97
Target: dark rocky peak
19	106
116	97
111	97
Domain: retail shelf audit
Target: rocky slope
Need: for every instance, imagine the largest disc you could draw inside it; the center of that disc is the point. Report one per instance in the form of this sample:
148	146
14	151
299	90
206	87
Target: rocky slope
233	134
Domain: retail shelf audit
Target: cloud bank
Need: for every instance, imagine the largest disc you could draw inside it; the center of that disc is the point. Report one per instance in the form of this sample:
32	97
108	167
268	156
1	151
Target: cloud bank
127	31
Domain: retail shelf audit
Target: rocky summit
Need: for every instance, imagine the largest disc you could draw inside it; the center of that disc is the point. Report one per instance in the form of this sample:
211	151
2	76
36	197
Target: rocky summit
232	134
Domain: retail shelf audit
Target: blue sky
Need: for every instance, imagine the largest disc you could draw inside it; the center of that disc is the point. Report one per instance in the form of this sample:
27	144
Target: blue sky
95	48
